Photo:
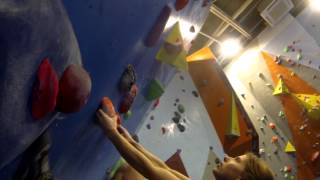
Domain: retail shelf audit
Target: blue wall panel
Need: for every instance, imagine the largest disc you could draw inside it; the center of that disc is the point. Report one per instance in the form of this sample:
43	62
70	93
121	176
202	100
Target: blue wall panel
110	35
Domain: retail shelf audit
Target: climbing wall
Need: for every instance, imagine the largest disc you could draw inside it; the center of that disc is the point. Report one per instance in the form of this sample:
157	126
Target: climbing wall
270	82
102	36
169	127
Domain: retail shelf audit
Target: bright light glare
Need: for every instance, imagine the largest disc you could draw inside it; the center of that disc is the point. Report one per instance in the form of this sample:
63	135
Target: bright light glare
315	5
230	47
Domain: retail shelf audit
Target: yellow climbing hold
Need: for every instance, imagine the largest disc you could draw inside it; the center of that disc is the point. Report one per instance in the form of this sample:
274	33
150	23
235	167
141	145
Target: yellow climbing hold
233	129
289	148
311	103
281	88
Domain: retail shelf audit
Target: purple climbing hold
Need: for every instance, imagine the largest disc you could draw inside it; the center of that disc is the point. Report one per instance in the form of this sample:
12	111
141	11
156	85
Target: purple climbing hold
192	29
158	27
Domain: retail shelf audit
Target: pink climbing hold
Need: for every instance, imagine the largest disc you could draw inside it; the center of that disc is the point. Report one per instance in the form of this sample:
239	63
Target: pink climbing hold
180	4
272	125
45	90
75	88
156	103
274	139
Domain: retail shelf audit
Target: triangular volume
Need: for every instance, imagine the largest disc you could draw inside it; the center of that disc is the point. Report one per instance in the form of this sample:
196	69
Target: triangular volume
311	103
289	148
172	51
175	35
175	162
281	88
201	55
233	129
210	165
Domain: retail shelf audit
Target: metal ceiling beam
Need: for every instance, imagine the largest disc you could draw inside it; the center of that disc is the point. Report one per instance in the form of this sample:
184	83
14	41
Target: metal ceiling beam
223	26
226	18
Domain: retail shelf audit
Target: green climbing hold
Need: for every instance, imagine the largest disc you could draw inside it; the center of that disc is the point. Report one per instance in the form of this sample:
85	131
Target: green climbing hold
286	49
181	108
281	114
155	90
128	115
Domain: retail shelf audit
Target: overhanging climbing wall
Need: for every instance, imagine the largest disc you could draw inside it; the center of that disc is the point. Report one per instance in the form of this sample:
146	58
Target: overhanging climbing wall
109	35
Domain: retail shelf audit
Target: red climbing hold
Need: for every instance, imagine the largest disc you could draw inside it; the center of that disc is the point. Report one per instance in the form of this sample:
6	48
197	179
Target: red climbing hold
156	103
128	99
158	27
180	4
75	88
45	90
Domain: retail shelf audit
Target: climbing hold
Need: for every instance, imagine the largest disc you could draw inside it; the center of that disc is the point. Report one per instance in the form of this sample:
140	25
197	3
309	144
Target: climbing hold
180	4
299	57
272	125
243	96
289	148
281	88
45	90
75	88
107	106
183	90
314	77
135	137
252	106
192	29
181	127
128	78
128	99
177	100
261	151
286	49
292	74
181	108
148	126
281	114
156	103
127	115
181	77
261	75
173	48
315	156
154	90
163	130
205	3
220	102
151	117
158	27
195	94
274	139
176	119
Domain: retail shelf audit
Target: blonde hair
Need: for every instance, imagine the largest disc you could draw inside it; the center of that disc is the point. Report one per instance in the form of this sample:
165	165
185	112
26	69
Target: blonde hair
256	169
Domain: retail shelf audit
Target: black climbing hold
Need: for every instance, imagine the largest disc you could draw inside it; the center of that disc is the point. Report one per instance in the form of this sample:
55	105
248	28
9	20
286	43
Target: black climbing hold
151	117
181	127
128	78
177	100
217	161
192	29
184	120
181	77
176	120
211	148
177	114
195	94
148	126
183	90
175	104
181	108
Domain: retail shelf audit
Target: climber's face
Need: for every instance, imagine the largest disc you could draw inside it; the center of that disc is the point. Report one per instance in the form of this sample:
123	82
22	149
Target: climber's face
230	168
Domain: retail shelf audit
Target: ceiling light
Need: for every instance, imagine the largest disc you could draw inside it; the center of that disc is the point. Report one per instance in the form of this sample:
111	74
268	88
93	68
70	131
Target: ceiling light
230	47
315	5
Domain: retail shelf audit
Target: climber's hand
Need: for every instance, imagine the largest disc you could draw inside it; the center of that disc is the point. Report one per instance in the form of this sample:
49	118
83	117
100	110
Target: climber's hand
109	124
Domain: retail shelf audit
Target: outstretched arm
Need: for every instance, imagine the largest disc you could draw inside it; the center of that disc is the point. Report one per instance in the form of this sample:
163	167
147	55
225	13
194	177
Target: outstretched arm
134	157
155	160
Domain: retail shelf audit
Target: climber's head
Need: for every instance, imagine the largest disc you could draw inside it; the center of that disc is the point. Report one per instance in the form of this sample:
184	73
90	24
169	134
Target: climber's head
245	167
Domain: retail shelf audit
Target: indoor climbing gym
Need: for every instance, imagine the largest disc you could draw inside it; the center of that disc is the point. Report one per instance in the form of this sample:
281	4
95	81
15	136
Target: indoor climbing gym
160	89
